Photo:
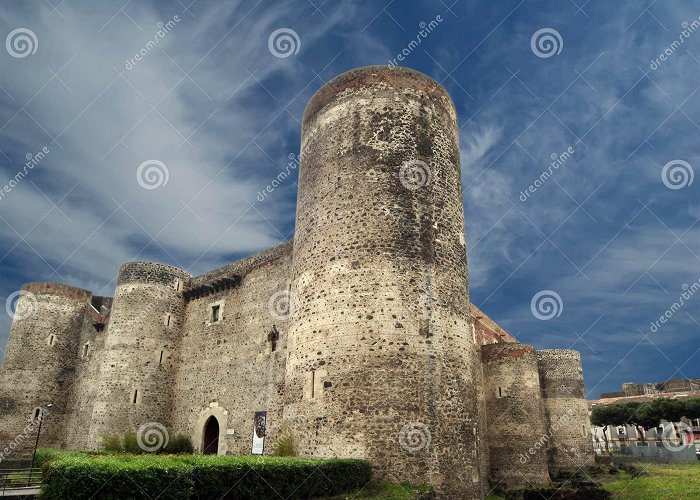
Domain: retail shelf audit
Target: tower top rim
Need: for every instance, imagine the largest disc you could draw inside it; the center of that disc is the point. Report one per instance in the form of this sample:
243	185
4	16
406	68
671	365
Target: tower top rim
398	77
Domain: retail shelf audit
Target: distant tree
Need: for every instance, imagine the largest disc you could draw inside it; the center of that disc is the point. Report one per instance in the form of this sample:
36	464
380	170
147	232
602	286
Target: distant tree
651	414
692	408
633	413
670	409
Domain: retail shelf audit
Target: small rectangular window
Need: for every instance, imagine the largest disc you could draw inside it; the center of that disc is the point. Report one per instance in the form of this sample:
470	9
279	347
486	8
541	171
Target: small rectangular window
272	337
167	319
309	384
160	360
86	349
215	312
315	383
135	397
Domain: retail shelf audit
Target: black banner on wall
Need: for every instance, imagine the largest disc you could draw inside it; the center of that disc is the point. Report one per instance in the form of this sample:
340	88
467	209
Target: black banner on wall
259	423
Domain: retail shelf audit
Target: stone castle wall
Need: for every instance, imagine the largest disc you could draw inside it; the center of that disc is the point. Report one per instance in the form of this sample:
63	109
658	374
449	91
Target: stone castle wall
228	369
139	360
359	334
566	411
39	363
382	360
486	329
516	415
87	365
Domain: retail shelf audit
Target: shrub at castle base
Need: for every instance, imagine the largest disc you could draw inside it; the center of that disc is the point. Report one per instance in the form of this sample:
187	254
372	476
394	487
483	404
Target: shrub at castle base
199	477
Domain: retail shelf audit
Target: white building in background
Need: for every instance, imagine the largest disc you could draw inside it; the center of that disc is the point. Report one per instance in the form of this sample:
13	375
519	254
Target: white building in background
624	436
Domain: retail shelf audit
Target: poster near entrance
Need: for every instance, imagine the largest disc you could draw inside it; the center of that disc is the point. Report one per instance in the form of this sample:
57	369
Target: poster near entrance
259	422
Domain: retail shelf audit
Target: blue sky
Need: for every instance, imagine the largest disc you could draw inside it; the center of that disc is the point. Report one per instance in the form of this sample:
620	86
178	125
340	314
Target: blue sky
613	231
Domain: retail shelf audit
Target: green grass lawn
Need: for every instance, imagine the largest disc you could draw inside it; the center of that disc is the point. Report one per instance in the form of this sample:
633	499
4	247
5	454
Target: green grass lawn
385	491
666	482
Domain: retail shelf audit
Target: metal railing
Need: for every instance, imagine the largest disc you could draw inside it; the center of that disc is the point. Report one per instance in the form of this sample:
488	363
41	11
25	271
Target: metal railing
19	480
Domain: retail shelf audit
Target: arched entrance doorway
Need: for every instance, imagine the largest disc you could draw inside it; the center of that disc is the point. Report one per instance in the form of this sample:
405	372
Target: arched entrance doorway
210	443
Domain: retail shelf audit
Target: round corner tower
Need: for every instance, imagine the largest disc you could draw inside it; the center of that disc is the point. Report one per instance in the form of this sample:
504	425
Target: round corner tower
566	409
517	432
136	378
40	362
382	360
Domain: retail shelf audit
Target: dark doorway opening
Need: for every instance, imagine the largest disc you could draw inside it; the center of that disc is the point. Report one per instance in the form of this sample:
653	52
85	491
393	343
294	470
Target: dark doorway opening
210	444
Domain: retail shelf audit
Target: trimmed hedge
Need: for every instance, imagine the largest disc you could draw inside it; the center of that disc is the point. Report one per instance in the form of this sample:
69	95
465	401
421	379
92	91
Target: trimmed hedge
200	477
116	477
272	477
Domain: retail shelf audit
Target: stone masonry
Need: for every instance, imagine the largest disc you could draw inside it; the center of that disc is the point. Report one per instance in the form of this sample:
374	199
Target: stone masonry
359	334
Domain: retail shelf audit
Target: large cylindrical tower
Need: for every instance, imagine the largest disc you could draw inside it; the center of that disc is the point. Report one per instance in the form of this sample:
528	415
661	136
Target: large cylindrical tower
566	409
39	364
382	361
136	378
517	432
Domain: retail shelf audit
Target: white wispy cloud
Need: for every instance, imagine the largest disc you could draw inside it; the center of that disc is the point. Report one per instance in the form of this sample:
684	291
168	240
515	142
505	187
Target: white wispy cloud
196	102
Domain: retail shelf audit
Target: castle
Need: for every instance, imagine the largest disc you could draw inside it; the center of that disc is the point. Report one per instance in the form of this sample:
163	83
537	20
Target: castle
358	334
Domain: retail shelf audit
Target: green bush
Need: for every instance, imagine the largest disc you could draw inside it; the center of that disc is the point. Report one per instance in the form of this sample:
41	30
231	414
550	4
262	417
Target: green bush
285	442
112	443
130	443
181	443
201	477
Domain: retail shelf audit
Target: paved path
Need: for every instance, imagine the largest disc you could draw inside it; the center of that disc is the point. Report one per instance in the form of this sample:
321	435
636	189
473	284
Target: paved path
19	492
